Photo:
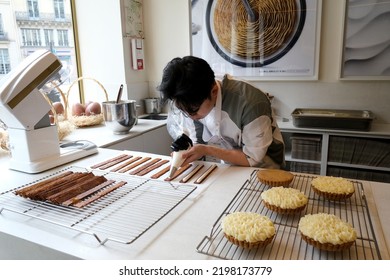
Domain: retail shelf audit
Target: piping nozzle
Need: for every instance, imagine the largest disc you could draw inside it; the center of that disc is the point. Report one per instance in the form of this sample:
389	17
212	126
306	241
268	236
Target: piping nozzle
172	171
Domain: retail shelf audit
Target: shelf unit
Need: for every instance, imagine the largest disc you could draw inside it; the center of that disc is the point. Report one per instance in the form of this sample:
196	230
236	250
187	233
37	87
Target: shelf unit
326	163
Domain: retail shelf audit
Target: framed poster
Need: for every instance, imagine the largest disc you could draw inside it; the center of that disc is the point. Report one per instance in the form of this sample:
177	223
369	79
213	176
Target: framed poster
258	39
133	19
366	41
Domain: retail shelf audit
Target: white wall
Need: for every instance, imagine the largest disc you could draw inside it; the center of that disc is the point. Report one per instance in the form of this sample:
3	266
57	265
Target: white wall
105	55
104	52
168	35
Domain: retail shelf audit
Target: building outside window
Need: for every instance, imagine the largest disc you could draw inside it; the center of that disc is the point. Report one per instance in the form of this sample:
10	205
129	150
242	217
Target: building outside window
31	37
4	62
59	9
49	38
38	24
33	10
1	26
63	38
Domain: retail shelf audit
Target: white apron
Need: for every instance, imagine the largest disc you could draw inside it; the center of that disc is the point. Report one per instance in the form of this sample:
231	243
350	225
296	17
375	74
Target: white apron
212	129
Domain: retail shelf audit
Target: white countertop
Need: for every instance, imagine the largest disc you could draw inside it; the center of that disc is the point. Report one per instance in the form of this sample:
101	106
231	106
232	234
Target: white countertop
102	136
176	236
106	137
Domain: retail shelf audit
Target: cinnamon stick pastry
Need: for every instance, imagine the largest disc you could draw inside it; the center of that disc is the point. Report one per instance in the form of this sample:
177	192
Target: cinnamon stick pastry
99	195
123	165
178	172
153	167
135	164
43	195
206	174
79	197
70	188
146	165
114	162
191	174
161	172
37	192
107	161
77	189
25	190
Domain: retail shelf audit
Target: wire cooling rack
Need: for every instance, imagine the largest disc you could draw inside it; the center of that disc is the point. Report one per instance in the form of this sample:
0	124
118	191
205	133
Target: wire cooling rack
122	215
288	243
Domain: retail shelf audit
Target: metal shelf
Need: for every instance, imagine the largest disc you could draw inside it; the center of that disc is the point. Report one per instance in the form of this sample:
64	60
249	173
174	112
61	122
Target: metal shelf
377	133
359	166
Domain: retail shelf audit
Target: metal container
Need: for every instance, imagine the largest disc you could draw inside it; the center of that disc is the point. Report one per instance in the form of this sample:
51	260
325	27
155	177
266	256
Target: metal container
333	119
152	105
120	117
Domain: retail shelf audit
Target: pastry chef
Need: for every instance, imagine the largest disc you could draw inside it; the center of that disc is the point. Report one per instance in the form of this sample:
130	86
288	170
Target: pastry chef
228	120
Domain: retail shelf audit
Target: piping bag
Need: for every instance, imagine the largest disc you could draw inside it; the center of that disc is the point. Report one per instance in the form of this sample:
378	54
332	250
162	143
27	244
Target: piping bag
179	146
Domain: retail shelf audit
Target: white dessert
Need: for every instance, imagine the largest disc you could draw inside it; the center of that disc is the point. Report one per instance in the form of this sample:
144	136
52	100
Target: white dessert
331	184
285	198
249	227
326	228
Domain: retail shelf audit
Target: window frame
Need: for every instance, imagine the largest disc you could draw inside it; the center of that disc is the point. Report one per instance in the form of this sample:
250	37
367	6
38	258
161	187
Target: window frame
33	8
49	37
59	9
5	64
63	38
2	32
31	37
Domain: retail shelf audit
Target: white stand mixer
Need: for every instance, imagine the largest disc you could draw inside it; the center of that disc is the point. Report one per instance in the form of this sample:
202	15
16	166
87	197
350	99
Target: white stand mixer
33	140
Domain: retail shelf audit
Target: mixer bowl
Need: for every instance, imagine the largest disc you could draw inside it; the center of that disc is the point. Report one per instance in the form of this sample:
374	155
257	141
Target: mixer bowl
120	117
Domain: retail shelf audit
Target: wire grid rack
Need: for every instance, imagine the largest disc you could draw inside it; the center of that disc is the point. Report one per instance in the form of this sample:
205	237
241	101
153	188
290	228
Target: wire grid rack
122	215
287	243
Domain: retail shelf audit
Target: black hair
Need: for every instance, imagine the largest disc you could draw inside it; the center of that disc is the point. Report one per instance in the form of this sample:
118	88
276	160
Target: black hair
187	81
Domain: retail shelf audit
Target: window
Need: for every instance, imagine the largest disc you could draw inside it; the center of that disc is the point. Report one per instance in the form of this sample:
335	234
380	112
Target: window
5	66
1	26
39	24
59	9
33	10
63	38
31	37
49	38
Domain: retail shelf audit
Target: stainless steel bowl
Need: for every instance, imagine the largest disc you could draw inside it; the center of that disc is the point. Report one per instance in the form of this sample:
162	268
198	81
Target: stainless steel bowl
120	117
152	105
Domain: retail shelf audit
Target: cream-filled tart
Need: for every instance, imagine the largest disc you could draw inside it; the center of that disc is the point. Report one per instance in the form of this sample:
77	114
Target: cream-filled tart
327	232
333	188
248	230
275	177
284	200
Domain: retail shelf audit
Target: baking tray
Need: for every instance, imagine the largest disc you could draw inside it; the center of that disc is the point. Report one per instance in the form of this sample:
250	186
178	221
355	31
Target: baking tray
332	119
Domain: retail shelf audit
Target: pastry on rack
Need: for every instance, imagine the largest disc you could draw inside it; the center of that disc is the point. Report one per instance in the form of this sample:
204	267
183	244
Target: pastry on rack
275	177
248	230
333	188
70	188
284	200
327	232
